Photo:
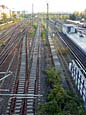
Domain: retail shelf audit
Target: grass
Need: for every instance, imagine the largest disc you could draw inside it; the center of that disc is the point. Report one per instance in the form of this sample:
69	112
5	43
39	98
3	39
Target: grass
3	27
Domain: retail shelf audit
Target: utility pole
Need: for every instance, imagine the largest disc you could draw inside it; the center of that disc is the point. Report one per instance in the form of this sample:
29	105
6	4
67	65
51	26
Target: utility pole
47	23
32	13
47	10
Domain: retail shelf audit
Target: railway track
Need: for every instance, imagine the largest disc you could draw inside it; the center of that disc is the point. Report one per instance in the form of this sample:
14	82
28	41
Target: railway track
10	30
23	98
66	80
75	50
9	36
10	54
9	65
14	38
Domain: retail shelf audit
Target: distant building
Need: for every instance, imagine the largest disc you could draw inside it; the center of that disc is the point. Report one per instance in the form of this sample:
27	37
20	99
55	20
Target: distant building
17	14
20	13
6	10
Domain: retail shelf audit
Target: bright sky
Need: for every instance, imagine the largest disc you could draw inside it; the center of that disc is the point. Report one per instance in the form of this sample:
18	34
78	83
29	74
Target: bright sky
40	5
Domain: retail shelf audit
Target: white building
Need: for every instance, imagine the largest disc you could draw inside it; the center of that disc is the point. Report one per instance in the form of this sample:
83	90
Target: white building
79	77
6	10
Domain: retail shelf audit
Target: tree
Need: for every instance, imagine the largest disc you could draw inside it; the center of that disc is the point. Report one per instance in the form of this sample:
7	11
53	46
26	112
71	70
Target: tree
84	14
4	16
14	15
53	76
72	17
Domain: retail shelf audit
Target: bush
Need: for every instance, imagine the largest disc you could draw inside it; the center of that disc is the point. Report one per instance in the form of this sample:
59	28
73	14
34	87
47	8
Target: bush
60	101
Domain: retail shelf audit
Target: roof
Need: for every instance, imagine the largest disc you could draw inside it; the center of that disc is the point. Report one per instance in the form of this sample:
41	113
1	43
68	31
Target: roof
73	21
80	41
69	25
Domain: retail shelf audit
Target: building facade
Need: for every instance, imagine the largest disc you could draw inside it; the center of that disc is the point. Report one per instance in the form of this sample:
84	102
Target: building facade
6	10
79	77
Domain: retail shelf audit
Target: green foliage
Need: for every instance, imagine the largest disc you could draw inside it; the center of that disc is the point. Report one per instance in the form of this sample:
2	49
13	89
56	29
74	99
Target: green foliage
63	17
43	35
32	32
72	17
35	25
43	31
60	101
14	15
41	109
53	76
1	42
4	16
7	25
60	28
63	51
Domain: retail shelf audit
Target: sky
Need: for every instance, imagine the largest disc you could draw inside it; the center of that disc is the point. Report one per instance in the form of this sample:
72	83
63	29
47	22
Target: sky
40	5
